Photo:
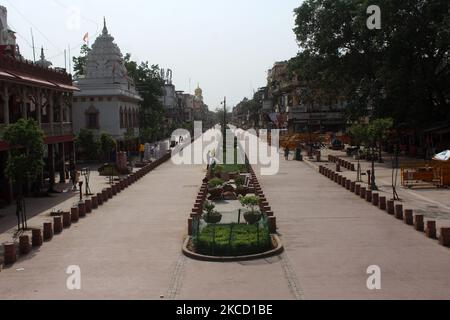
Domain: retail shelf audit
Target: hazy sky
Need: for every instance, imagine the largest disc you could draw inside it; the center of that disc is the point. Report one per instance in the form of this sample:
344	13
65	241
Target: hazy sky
226	46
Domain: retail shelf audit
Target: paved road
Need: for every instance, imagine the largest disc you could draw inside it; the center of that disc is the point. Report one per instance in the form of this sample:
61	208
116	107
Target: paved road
130	249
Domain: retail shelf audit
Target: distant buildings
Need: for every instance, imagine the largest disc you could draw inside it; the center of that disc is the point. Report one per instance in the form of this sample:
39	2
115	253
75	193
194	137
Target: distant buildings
107	100
34	91
289	103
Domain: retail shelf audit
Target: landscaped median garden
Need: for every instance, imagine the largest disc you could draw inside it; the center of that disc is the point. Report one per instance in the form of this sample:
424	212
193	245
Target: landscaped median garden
231	218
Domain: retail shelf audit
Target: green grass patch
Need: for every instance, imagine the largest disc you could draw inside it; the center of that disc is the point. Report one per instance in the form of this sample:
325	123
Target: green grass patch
233	240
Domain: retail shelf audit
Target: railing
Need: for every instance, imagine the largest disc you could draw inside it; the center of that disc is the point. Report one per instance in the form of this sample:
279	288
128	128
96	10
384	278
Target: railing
29	68
59	129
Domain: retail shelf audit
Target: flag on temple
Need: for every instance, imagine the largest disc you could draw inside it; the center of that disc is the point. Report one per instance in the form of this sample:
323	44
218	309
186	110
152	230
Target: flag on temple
86	37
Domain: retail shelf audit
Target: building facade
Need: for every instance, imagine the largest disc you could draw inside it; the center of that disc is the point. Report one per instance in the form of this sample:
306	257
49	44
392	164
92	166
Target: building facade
107	100
34	91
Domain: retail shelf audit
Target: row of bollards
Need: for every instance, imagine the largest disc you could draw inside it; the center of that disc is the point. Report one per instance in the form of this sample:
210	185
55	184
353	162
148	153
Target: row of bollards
342	163
66	219
390	206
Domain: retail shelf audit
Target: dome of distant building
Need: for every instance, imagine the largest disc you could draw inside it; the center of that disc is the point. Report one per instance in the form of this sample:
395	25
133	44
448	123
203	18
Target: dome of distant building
43	62
199	93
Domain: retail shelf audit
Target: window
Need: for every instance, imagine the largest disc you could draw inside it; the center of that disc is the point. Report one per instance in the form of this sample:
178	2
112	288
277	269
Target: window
92	118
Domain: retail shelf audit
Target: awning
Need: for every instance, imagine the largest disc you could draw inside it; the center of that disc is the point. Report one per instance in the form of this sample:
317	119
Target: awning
6	75
66	87
35	80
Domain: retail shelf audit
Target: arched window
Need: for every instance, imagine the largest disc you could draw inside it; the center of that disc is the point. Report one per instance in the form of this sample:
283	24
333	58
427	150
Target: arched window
121	118
92	118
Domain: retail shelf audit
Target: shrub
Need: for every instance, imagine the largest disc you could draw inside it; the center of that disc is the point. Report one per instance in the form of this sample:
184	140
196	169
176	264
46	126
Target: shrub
233	240
240	181
216	182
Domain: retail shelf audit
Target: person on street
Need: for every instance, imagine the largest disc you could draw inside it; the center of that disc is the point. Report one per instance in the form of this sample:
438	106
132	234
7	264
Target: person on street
287	152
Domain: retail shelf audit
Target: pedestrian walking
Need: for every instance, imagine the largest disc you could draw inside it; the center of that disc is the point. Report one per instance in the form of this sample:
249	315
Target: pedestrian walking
287	152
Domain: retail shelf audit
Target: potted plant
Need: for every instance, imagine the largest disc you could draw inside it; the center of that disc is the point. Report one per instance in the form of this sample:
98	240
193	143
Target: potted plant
241	189
215	188
210	215
253	215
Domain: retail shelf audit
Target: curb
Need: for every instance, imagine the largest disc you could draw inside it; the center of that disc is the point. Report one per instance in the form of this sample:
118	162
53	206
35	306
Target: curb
195	256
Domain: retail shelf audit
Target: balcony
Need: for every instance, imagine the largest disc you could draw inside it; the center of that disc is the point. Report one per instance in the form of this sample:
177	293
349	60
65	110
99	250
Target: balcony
59	129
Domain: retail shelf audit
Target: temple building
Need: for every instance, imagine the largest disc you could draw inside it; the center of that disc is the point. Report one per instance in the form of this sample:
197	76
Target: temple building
107	100
34	91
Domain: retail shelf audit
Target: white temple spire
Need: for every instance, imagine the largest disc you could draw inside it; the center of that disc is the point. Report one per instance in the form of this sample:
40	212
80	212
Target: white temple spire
105	29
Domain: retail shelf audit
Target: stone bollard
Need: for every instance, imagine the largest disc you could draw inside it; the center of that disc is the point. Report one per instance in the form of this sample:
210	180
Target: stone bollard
348	184
94	202
99	199
358	189
272	224
444	237
75	214
363	192
105	195
36	238
57	225
369	196
109	192
353	187
67	220
81	209
419	223
353	168
430	230
408	217
114	190
390	208
344	182
375	199
48	231
269	214
88	204
24	245
10	254
399	211
190	227
382	204
338	179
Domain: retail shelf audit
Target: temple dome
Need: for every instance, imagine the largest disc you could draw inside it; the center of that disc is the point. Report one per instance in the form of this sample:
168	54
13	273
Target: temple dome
105	60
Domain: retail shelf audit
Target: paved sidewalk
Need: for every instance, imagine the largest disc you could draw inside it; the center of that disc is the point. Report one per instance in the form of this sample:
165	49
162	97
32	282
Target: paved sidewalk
128	249
432	202
332	238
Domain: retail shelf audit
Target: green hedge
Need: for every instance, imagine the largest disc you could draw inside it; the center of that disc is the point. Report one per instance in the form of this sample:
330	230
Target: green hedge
243	241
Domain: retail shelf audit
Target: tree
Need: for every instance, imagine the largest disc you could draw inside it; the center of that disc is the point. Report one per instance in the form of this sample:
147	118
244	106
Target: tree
87	145
378	132
79	63
24	163
107	145
399	72
149	84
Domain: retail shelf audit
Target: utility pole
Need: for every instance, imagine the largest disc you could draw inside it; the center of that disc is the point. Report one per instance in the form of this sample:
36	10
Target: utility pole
224	129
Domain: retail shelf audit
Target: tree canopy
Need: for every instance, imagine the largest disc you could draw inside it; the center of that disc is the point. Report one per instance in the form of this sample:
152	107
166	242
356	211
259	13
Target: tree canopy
400	71
149	84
